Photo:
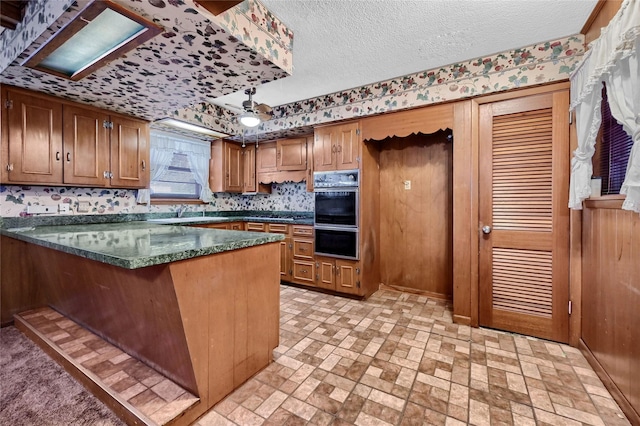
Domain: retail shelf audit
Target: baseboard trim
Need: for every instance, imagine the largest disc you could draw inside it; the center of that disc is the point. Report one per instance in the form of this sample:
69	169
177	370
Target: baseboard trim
428	294
618	396
462	320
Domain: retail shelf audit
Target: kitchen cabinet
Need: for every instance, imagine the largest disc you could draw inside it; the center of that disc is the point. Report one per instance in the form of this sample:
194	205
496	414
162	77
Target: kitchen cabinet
282	160
285	249
233	168
233	226
340	275
285	245
336	147
249	181
49	141
291	154
226	167
303	271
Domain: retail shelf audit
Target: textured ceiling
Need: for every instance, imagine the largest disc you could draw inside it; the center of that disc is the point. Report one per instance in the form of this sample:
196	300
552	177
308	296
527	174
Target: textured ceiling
342	44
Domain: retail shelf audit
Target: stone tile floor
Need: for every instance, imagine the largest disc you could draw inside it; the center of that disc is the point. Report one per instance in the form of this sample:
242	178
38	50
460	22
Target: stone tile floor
398	359
154	396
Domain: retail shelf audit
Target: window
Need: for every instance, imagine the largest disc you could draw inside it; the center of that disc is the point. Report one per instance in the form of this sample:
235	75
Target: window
177	181
179	168
613	148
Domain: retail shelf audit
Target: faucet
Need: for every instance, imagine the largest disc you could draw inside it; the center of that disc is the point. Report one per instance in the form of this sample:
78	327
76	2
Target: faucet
180	210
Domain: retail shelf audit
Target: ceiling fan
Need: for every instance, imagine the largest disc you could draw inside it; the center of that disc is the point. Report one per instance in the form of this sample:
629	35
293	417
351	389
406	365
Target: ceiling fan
252	113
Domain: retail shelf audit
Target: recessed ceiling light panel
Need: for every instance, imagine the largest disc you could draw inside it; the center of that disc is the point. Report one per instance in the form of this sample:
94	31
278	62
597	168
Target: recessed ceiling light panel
102	32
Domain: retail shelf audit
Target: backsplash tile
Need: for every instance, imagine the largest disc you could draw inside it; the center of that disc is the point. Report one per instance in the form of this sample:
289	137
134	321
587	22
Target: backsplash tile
15	199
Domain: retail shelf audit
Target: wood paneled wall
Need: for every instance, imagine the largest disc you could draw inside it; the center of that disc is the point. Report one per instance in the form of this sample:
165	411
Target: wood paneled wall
416	224
611	297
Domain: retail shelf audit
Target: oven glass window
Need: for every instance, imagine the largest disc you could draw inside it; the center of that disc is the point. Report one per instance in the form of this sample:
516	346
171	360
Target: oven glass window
337	242
336	208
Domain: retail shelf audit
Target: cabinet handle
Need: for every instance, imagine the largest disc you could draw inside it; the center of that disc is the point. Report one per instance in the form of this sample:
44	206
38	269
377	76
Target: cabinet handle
339	148
57	155
68	157
278	154
10	167
144	165
333	148
105	174
304	271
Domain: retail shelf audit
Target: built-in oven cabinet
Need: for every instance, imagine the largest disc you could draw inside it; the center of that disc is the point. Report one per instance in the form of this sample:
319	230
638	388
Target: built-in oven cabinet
340	275
336	147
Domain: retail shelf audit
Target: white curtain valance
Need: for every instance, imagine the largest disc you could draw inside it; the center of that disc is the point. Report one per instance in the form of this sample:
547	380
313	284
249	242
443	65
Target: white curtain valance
163	145
613	59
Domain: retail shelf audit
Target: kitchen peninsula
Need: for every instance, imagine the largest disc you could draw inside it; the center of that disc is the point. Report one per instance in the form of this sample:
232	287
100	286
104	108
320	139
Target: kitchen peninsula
200	306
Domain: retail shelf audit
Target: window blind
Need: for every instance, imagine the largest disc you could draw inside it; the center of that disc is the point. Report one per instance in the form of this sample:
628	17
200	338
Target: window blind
615	148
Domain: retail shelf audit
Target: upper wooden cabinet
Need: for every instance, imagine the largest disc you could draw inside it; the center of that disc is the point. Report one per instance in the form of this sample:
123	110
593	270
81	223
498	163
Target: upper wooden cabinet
233	168
292	154
337	147
249	182
226	167
282	160
48	141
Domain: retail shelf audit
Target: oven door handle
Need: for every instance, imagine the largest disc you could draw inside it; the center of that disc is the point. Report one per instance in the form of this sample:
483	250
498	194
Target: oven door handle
346	228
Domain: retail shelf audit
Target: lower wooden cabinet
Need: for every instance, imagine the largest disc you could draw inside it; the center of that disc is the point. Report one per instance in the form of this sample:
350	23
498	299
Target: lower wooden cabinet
340	275
233	226
299	264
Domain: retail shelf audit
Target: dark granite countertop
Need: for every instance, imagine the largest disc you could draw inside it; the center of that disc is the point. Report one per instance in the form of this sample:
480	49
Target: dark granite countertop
189	218
133	245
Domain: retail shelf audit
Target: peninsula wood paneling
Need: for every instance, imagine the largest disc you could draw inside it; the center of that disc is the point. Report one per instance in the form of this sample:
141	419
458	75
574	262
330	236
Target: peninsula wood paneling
416	224
611	297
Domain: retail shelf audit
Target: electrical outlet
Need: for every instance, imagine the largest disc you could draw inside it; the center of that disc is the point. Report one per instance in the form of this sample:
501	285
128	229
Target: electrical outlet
63	208
41	209
83	206
407	184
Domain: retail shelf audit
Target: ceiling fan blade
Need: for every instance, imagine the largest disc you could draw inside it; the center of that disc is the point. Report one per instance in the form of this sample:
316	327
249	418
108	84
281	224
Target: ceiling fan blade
234	107
264	116
263	108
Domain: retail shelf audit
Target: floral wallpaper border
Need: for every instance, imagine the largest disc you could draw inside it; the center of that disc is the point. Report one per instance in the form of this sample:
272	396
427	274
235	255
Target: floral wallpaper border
540	63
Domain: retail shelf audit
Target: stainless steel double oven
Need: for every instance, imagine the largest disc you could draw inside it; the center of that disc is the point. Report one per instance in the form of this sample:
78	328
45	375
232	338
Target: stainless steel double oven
336	220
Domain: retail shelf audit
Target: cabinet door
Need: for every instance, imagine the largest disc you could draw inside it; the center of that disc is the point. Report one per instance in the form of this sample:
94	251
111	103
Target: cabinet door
236	226
233	167
292	154
285	260
249	169
129	153
266	158
324	149
348	277
34	129
347	146
86	146
325	273
303	272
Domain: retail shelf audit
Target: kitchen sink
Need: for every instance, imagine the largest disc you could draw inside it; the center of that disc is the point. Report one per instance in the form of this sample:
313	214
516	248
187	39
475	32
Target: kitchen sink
170	220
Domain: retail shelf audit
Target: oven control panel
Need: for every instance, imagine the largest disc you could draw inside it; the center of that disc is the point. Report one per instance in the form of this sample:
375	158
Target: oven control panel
336	179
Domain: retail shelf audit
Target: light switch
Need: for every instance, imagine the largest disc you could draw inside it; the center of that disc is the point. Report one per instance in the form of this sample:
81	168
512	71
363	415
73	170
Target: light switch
83	206
407	184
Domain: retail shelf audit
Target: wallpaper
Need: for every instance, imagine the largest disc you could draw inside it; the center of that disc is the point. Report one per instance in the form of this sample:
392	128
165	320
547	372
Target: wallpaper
15	199
540	63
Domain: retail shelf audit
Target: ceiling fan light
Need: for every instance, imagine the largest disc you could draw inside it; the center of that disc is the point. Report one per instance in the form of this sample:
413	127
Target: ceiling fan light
249	119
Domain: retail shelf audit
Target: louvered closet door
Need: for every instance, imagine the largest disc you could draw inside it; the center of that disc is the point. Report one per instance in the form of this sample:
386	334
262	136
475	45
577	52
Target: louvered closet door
524	219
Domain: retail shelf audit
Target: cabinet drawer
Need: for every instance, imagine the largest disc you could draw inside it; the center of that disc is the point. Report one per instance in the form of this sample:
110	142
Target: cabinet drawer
304	272
255	226
302	231
236	226
212	226
279	228
303	248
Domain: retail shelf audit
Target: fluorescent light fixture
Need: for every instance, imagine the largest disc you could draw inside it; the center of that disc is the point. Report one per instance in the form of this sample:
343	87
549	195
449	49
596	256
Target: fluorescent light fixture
249	119
100	33
172	122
